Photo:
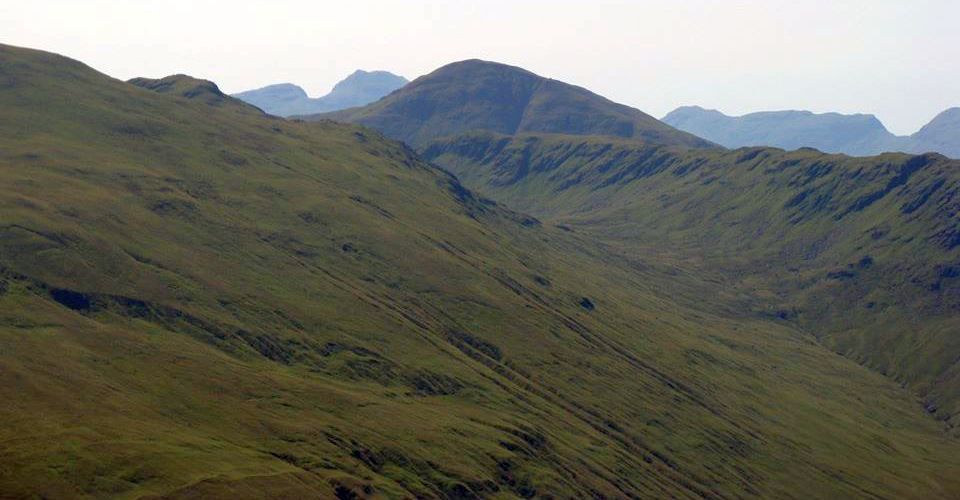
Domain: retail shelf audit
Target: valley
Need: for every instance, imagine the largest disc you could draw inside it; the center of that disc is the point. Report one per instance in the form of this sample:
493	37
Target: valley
551	295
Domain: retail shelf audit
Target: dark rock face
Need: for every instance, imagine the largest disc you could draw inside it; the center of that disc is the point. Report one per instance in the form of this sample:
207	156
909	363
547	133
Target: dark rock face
74	300
358	89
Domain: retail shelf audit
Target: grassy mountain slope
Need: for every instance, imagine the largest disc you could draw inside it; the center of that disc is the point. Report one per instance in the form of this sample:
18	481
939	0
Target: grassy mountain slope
198	300
861	252
481	95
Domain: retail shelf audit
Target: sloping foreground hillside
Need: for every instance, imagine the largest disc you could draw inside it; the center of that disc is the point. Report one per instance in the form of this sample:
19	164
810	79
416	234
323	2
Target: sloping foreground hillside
198	300
863	253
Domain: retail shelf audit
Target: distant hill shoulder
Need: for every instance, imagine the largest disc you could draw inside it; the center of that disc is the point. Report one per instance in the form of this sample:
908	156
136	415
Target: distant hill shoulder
190	88
942	134
482	95
856	134
358	89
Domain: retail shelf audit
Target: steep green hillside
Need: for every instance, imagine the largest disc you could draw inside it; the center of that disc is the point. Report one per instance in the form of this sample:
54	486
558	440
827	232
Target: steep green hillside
861	252
198	300
481	95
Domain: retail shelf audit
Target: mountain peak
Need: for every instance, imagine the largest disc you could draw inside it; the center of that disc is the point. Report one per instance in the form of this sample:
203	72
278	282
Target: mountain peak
684	112
942	134
474	68
362	73
475	63
949	115
362	86
482	95
359	88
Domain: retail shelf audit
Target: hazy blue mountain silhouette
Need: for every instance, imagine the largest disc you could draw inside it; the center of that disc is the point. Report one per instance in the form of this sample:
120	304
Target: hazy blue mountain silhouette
856	135
358	89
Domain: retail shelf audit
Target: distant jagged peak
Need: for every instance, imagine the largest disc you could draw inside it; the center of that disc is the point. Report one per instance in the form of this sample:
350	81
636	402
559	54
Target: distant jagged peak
359	88
379	74
362	81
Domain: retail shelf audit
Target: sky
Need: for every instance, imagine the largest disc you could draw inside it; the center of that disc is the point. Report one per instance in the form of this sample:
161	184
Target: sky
897	59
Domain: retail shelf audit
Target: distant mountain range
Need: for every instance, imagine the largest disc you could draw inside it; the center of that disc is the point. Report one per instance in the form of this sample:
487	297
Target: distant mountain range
475	94
358	89
856	135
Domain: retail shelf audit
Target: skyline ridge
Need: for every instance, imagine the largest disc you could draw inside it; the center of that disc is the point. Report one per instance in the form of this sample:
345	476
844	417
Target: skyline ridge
821	56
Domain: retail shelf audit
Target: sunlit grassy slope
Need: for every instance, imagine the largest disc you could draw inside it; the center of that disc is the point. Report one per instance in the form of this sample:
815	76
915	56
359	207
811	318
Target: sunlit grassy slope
861	252
198	300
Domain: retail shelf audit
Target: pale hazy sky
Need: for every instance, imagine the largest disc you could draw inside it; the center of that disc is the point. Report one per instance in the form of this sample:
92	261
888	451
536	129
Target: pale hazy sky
899	60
